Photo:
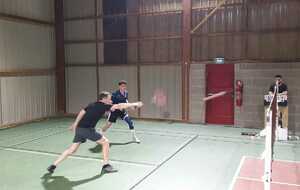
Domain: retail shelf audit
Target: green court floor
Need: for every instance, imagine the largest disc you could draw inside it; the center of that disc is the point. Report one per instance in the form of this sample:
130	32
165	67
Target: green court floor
171	156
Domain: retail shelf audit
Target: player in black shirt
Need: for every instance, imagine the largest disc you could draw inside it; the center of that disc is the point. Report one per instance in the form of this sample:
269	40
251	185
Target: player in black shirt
282	88
84	128
282	106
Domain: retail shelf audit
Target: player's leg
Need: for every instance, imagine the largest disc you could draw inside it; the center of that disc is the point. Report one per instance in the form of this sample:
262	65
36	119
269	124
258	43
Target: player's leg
284	111
106	126
105	149
79	138
102	140
69	151
125	117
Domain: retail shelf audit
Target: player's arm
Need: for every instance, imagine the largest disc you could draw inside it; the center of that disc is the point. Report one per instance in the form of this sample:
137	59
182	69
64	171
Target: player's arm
77	120
271	90
122	106
132	108
285	91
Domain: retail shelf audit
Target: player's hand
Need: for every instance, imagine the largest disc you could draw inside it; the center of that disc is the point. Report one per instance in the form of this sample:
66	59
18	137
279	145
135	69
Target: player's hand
133	108
139	104
72	127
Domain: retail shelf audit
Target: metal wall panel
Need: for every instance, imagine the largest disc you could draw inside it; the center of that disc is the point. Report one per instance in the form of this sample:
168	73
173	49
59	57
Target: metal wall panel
160	25
197	16
161	5
79	8
132	50
27	98
272	28
36	9
197	93
160	51
132	26
147	27
81	87
101	52
161	92
80	53
147	51
133	6
100	7
200	48
175	50
80	30
111	75
25	46
100	29
1	122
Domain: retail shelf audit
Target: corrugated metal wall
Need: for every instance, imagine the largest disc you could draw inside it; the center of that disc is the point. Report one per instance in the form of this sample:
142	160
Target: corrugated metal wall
80	30
81	87
27	47
161	83
252	30
36	9
27	98
79	8
81	52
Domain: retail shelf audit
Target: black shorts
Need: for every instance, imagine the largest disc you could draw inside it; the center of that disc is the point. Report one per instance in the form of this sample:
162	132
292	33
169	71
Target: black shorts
81	134
113	116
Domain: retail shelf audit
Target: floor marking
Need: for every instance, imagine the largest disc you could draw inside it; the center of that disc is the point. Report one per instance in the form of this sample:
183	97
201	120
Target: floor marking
274	182
236	174
38	138
144	164
289	161
186	143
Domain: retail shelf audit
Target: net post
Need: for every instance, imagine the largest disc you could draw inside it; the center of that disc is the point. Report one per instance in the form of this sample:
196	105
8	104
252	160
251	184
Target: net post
271	125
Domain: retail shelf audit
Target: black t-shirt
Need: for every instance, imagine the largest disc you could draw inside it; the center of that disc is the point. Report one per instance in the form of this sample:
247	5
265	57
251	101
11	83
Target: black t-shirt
94	112
281	88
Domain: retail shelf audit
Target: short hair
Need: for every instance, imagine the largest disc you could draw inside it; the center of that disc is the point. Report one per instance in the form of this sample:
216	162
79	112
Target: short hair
278	76
122	82
103	94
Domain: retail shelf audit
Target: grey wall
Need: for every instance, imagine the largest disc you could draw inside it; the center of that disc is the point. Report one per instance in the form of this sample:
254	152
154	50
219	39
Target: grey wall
166	79
197	93
27	47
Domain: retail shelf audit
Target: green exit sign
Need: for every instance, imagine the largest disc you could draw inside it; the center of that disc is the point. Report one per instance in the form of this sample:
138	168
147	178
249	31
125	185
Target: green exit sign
219	60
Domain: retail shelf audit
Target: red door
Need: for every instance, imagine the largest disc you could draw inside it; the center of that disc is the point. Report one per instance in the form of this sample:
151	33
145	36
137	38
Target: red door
220	77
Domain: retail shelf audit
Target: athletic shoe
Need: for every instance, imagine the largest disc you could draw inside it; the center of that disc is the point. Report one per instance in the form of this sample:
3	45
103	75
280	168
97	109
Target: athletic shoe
135	139
108	168
51	168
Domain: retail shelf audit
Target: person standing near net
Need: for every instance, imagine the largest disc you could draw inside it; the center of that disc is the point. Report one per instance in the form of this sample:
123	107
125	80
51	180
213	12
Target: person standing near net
283	107
84	128
121	96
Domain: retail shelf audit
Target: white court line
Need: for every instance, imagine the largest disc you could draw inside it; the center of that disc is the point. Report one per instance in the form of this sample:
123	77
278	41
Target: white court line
236	173
38	138
77	157
274	182
185	144
289	161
